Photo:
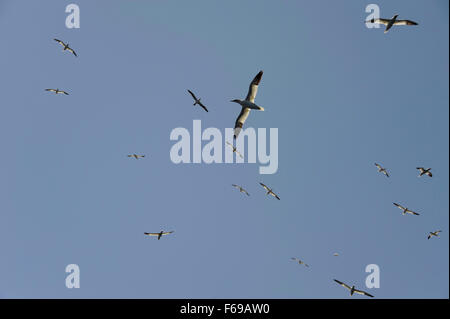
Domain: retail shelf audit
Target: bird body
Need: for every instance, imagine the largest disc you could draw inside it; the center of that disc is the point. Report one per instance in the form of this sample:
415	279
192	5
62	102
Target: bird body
436	233
242	190
382	169
66	46
353	289
391	22
136	156
424	171
57	91
197	101
300	262
234	149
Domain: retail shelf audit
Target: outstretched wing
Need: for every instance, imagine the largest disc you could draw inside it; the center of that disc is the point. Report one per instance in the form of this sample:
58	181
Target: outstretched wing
378	21
276	196
64	92
362	293
399	206
265	187
71	50
167	232
411	212
253	89
60	42
51	90
342	284
204	107
240	121
405	22
378	166
192	94
151	234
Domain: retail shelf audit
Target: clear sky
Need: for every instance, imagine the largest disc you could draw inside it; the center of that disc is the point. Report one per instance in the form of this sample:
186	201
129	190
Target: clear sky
341	95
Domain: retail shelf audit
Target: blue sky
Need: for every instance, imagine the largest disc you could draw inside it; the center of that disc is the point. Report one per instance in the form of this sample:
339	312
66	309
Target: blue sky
342	97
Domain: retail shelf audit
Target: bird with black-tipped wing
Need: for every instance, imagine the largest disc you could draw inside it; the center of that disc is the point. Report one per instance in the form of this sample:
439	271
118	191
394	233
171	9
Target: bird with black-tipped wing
197	101
136	156
405	210
241	189
269	191
66	47
424	171
382	169
57	91
234	149
434	233
391	22
300	262
160	234
353	289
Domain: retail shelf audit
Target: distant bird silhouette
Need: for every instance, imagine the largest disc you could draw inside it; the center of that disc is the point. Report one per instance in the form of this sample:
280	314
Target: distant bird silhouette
66	47
247	104
436	233
336	254
234	149
390	22
424	171
160	234
240	189
353	289
197	101
57	91
405	210
382	169
299	261
136	156
269	191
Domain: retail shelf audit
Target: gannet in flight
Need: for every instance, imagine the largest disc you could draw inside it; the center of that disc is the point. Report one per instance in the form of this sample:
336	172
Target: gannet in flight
240	189
390	22
405	210
269	191
382	169
57	91
66	46
247	104
424	171
234	149
436	233
197	101
353	289
299	261
161	233
136	156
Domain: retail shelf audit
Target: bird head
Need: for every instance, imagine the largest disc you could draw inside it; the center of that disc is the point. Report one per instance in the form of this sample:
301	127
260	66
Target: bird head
395	16
236	101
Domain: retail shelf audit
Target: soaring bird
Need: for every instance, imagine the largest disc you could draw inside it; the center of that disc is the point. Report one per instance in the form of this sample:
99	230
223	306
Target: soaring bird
136	156
405	210
242	190
66	46
382	169
336	254
161	233
424	171
247	104
390	22
57	91
234	149
299	261
353	289
436	233
197	101
269	191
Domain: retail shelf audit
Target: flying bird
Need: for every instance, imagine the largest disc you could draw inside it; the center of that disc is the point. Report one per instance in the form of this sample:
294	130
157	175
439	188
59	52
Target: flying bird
234	149
436	233
136	156
66	47
57	91
390	22
353	289
424	171
269	191
405	210
247	104
336	254
197	101
240	189
382	169
161	233
299	261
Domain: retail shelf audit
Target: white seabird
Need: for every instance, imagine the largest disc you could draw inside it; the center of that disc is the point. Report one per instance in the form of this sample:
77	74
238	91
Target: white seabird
197	101
66	47
161	233
269	191
390	22
436	233
57	91
424	171
353	289
234	149
382	169
299	261
242	190
247	104
405	210
136	156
